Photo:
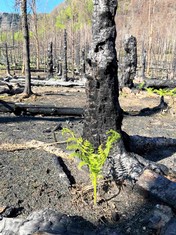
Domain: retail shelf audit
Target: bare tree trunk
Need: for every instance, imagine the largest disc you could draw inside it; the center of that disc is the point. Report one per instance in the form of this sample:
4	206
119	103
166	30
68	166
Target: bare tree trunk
73	51
7	60
83	64
36	37
77	54
27	90
143	61
50	60
174	62
150	13
64	74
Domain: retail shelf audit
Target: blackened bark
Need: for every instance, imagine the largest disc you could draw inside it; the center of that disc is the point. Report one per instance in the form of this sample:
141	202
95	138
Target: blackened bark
50	60
83	64
130	66
77	55
64	74
174	63
144	54
27	90
7	60
103	111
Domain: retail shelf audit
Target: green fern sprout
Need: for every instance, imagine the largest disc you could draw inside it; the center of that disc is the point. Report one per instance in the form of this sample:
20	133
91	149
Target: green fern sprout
173	92
149	90
161	92
85	151
141	85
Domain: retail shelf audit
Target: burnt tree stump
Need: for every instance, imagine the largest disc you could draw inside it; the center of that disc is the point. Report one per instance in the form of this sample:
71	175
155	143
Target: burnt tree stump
130	64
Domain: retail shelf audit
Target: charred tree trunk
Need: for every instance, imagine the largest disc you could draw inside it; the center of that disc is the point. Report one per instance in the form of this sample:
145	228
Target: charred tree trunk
50	60
174	63
103	111
27	90
83	64
130	46
7	60
77	56
64	74
36	37
144	54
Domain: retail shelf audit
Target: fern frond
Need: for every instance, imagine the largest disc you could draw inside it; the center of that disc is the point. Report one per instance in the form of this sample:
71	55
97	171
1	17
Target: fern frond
81	164
149	90
112	138
67	131
85	151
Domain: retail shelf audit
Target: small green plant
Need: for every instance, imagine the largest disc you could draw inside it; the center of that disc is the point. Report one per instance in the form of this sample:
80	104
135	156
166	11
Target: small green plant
162	92
85	151
141	85
150	90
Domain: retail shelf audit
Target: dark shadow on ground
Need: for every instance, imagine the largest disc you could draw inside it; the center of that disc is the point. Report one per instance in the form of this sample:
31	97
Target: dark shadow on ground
149	111
153	148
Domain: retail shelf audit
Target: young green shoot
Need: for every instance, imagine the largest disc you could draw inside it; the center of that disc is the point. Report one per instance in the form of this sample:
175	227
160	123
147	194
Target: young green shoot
93	159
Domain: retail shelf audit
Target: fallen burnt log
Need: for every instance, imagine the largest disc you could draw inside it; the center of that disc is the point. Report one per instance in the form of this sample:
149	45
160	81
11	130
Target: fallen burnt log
29	109
159	186
11	90
159	83
6	84
50	82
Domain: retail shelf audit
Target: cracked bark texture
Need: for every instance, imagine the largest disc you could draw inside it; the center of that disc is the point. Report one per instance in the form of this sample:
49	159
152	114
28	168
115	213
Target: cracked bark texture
103	111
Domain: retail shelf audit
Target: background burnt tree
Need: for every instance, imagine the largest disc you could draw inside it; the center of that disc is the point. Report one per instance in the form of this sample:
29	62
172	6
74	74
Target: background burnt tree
64	68
130	63
103	111
174	63
83	64
35	31
50	60
144	54
7	60
26	53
